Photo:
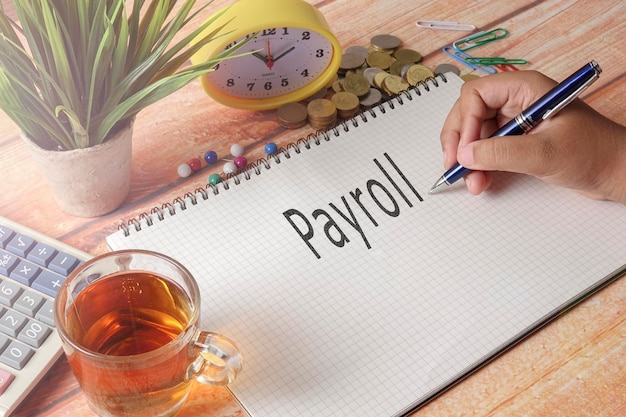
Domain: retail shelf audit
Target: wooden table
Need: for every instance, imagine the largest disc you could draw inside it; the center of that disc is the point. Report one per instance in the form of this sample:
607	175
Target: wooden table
576	366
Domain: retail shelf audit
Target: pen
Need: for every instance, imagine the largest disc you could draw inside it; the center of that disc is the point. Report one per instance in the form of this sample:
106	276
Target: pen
548	105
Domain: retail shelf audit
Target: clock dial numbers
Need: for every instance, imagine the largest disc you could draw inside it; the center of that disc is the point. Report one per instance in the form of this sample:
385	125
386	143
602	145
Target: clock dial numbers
284	60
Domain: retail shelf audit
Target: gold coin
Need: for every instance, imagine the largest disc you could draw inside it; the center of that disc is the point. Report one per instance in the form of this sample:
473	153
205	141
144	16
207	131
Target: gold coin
394	84
322	113
379	79
385	42
292	115
345	100
397	67
337	86
418	73
469	77
408	55
347	104
386	51
379	60
357	84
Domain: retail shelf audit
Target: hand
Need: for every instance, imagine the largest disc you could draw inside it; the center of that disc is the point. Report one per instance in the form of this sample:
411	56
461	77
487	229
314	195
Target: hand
577	148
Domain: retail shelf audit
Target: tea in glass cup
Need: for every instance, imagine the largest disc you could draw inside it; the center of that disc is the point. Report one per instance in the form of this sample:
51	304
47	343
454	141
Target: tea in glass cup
129	325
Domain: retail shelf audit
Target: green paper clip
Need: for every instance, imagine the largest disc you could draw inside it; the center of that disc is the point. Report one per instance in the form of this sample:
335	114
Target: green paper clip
496	60
479	39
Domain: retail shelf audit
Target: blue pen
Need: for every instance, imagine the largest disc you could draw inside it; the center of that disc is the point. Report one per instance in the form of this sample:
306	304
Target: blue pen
548	105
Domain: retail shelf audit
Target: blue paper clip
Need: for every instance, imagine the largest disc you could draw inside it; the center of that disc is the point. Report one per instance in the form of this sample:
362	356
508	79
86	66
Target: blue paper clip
480	38
463	58
496	60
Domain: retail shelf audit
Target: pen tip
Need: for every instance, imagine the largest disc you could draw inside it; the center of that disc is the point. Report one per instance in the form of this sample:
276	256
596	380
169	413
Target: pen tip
437	186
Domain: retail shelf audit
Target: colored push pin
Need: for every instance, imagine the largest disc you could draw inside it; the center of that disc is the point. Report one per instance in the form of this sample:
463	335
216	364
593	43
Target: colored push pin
230	167
240	162
184	170
194	164
236	150
210	157
271	148
215	179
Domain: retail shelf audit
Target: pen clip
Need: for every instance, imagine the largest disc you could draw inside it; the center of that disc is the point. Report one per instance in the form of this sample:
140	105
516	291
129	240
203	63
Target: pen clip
570	98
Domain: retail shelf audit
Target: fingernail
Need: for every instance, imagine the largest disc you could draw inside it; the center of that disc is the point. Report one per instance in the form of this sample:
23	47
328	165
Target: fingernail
466	156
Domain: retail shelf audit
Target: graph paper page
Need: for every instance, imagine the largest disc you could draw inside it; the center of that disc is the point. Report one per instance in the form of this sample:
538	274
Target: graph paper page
352	291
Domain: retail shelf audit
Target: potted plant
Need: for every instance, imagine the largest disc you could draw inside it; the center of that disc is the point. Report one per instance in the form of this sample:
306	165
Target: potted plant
73	76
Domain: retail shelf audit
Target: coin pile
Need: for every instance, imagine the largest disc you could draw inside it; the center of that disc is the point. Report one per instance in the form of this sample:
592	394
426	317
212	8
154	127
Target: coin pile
366	76
322	113
292	115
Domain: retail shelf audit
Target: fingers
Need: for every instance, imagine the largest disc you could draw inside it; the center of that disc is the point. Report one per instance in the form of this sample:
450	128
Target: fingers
483	106
534	154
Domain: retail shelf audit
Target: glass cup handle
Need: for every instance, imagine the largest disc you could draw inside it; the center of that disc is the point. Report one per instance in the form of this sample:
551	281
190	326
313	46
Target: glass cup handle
218	359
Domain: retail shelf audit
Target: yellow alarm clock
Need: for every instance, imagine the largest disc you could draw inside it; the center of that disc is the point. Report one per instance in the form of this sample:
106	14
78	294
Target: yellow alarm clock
294	54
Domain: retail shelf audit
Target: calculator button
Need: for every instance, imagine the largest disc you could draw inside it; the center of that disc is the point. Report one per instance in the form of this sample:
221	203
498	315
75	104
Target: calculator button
63	263
41	254
5	235
7	262
46	313
34	333
9	291
25	272
16	355
20	244
6	378
12	322
28	303
4	340
48	283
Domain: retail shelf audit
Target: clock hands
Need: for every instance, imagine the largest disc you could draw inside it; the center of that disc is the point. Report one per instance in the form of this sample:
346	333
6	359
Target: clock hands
261	57
270	62
269	59
284	53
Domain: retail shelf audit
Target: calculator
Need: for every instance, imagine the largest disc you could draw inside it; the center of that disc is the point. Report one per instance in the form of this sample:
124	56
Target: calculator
32	268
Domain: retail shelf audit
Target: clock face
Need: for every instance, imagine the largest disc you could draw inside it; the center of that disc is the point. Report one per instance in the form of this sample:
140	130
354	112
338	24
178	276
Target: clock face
285	59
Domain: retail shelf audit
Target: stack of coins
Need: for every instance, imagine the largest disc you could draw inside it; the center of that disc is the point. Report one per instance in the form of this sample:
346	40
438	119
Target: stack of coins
366	76
322	113
292	115
347	104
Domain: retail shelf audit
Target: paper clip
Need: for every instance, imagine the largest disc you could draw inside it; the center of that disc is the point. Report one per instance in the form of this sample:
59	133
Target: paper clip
480	38
443	25
506	67
496	60
463	58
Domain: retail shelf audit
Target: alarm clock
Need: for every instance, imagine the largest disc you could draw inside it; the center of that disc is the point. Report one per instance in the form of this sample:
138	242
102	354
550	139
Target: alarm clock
291	54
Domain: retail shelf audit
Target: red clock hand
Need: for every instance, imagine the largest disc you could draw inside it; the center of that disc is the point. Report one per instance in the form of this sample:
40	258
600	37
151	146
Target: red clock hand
270	60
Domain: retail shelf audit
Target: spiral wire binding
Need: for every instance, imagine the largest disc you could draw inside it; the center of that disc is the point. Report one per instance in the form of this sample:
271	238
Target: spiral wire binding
257	167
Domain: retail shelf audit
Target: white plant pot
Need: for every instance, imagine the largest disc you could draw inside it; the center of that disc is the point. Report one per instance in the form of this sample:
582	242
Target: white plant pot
88	182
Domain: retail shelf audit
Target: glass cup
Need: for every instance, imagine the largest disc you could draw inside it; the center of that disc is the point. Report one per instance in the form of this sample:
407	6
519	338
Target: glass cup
129	325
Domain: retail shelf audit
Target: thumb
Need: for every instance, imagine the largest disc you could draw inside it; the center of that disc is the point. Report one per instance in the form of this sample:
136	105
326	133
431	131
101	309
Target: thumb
532	154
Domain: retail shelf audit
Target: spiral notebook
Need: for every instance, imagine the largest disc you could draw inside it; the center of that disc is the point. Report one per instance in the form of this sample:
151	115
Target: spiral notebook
352	291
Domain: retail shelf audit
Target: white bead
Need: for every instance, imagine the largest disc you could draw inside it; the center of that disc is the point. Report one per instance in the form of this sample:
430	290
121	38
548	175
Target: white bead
236	150
230	168
184	170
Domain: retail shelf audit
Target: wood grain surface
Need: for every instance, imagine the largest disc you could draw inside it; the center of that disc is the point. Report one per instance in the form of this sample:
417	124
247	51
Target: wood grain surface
575	366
